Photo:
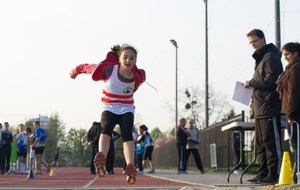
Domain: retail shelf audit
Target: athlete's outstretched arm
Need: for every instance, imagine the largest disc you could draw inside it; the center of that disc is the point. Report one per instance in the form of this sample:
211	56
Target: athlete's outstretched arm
83	68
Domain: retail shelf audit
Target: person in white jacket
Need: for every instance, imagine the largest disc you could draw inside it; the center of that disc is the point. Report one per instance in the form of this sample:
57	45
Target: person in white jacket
192	145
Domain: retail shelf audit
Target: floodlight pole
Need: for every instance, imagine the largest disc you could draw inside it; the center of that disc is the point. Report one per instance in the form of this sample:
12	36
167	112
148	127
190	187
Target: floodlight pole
176	85
206	69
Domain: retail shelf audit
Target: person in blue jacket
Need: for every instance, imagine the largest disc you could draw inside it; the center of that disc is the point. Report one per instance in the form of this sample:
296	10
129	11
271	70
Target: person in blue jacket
2	157
7	139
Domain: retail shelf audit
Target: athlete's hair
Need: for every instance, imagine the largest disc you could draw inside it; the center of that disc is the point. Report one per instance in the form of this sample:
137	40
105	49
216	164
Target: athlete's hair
117	49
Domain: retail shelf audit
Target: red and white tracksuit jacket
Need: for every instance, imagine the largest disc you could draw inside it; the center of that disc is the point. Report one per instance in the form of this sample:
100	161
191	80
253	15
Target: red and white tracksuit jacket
117	95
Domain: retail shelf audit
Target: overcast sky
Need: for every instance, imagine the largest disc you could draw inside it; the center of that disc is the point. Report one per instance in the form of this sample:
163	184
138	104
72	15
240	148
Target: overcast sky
42	40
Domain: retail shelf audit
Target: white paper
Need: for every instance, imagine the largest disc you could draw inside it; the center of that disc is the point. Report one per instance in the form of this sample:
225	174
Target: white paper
242	94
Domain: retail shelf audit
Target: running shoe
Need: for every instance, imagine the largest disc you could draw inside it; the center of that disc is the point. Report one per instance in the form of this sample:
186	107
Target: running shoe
131	173
99	162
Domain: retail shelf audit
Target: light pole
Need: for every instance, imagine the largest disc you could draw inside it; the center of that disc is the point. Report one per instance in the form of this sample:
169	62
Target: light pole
176	85
206	69
277	24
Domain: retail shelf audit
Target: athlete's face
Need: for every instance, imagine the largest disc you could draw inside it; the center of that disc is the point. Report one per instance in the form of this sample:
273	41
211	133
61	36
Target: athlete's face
127	59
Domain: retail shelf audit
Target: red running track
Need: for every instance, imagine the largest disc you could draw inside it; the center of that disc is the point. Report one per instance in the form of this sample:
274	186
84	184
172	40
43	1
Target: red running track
80	178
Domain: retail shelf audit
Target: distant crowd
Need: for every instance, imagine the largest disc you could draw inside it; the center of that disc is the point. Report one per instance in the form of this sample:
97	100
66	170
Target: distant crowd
23	144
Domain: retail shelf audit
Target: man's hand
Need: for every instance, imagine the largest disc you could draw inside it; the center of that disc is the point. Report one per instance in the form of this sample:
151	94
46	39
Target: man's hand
246	84
251	113
291	121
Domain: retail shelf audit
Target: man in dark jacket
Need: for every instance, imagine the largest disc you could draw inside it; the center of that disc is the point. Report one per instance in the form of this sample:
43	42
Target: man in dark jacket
7	139
93	138
265	107
2	153
182	136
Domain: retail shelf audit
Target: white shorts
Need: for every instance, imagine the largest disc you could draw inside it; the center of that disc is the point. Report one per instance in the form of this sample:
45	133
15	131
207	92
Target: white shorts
32	154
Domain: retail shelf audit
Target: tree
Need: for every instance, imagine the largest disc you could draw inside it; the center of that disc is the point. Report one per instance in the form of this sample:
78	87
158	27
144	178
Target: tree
218	106
157	134
231	114
55	136
192	104
76	143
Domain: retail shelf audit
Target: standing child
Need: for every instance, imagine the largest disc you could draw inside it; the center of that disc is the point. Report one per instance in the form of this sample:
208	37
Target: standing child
121	79
148	148
22	144
32	153
39	144
140	150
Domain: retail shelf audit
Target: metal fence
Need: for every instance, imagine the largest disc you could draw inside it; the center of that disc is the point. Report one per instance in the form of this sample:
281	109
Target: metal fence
215	149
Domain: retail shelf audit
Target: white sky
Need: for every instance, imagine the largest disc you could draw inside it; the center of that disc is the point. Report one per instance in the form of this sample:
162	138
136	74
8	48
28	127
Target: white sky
42	40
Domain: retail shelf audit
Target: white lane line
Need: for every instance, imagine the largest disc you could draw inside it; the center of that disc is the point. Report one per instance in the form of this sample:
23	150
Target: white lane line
90	183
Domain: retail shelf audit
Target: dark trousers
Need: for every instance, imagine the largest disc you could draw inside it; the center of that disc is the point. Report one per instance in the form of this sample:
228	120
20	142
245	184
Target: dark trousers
140	162
110	159
268	135
2	160
292	131
94	152
181	157
197	157
237	155
7	153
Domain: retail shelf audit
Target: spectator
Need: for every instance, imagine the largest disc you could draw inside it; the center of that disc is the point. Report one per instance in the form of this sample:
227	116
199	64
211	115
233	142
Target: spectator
192	145
92	139
7	139
182	136
265	107
111	153
32	152
140	150
55	157
39	144
22	144
148	148
2	153
236	141
289	90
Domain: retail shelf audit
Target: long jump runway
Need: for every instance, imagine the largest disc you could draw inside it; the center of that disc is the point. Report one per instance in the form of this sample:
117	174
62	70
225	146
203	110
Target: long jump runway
80	178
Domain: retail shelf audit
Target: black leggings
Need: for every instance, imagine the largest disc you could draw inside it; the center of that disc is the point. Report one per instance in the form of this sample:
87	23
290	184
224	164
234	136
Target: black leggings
148	153
109	120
